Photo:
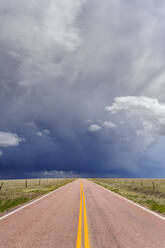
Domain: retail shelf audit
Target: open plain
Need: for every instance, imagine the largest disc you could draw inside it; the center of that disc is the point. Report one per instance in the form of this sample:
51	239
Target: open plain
82	214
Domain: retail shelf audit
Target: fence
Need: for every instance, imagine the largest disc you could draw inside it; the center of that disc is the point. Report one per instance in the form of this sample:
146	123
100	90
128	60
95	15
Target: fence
27	183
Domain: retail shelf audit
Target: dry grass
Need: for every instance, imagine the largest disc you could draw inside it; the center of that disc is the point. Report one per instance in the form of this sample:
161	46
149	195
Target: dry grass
147	192
16	192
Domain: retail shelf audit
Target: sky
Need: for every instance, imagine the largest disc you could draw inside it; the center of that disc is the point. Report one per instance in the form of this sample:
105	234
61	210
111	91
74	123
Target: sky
82	88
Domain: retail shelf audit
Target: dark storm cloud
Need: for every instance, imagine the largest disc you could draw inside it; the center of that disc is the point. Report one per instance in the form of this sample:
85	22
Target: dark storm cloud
61	63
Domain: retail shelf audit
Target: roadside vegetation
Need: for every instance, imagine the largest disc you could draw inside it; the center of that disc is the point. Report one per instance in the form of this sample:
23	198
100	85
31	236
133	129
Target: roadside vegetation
17	192
147	192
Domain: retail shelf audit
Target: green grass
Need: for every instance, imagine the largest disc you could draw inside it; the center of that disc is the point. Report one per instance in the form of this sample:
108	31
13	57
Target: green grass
156	206
10	203
15	192
147	192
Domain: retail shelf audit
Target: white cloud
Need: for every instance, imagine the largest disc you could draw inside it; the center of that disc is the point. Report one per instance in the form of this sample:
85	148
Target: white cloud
43	132
1	153
46	131
39	134
94	128
53	174
88	121
9	139
130	103
109	124
148	112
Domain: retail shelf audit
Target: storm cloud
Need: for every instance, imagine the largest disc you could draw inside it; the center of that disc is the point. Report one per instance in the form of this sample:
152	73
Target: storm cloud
63	64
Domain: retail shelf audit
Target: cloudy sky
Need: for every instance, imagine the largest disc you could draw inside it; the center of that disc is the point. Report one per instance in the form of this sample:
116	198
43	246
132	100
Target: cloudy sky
82	88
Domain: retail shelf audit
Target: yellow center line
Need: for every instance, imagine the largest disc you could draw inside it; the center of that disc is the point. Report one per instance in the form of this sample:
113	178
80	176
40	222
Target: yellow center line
86	235
80	222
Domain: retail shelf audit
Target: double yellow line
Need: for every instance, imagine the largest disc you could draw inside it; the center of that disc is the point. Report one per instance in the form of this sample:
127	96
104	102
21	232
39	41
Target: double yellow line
79	233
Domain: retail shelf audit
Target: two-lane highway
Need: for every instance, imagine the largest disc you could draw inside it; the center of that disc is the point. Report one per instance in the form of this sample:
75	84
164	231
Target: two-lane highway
82	215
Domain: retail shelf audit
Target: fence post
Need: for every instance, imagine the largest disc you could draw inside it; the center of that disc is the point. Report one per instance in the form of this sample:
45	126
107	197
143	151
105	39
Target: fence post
1	185
133	184
157	187
153	185
26	183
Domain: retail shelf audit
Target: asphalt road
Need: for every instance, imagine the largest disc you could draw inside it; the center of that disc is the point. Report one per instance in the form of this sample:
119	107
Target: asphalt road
82	215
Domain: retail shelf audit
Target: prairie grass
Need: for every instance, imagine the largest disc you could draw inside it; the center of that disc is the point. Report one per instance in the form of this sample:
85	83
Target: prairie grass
16	192
147	192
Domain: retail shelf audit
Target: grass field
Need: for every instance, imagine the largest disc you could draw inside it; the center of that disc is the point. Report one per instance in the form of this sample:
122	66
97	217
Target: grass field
16	192
147	192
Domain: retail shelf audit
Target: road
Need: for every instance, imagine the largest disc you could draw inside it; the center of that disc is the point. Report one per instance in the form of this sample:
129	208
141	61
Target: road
82	215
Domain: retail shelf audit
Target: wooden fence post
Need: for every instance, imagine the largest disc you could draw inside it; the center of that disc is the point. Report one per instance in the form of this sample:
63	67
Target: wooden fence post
133	183
153	185
26	183
1	185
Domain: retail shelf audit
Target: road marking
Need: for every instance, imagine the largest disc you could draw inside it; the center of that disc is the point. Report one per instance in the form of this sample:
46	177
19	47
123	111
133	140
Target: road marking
86	235
85	229
133	203
34	201
80	222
